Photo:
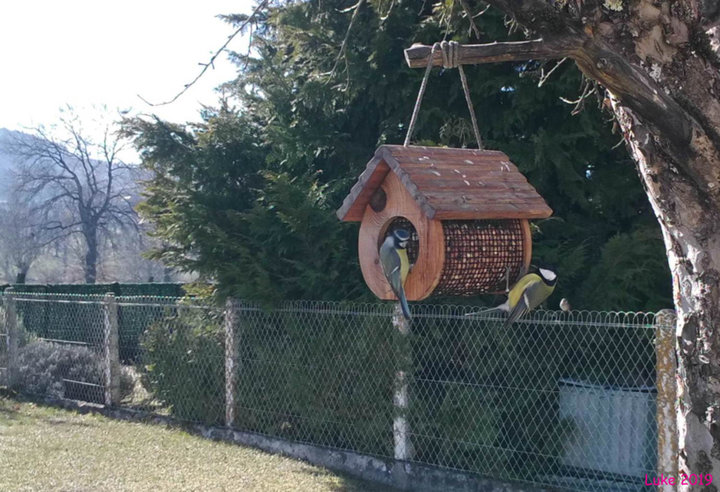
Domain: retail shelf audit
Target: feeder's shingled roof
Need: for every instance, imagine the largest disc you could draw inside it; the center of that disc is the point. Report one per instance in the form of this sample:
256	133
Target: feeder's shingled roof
450	184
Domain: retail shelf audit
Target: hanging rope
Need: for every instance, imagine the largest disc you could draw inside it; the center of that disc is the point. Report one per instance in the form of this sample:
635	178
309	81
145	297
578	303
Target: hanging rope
450	51
463	79
421	93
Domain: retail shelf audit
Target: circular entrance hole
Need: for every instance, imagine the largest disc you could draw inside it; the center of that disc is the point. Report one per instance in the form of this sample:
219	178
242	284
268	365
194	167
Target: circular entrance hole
413	246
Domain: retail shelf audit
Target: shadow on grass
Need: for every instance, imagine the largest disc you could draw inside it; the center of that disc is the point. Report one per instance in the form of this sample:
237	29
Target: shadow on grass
149	404
61	421
11	405
6	412
348	484
9	409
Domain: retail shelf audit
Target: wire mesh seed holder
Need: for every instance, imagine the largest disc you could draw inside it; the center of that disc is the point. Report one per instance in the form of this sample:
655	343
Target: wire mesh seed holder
468	211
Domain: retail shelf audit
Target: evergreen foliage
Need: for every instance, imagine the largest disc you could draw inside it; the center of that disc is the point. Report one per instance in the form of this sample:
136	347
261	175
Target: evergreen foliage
248	197
184	364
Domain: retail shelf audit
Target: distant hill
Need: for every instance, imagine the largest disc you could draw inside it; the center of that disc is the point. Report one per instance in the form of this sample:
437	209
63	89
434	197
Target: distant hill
6	160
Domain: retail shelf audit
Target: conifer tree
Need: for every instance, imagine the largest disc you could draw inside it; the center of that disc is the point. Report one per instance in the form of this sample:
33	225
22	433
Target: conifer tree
318	96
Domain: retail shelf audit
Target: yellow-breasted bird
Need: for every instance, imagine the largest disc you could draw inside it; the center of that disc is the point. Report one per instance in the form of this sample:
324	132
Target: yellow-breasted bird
527	294
395	264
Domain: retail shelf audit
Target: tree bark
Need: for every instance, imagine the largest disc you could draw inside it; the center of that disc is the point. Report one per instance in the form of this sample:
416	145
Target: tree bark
167	275
691	230
659	62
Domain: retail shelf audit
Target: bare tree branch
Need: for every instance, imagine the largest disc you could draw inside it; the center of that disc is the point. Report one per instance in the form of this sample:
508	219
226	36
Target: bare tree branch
211	62
343	47
471	18
544	77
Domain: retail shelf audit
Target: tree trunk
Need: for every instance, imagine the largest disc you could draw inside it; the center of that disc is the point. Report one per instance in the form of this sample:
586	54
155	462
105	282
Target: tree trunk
91	255
691	230
21	274
659	62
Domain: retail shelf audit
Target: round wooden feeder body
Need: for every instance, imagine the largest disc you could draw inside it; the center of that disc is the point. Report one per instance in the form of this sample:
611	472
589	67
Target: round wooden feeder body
462	244
426	271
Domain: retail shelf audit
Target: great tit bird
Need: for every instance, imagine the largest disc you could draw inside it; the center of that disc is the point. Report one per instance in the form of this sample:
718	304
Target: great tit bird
395	264
527	294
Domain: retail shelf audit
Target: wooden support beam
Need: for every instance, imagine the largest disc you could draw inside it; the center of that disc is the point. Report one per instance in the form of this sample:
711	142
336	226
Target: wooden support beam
537	49
598	61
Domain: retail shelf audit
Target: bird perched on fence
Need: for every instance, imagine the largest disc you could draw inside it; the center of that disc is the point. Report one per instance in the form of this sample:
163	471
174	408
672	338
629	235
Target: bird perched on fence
565	305
396	265
527	294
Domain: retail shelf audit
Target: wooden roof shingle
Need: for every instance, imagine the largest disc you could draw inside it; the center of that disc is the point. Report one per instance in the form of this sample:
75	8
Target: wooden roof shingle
460	184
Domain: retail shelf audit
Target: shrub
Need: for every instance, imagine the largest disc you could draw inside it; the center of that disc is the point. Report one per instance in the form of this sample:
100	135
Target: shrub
127	381
184	364
328	382
42	366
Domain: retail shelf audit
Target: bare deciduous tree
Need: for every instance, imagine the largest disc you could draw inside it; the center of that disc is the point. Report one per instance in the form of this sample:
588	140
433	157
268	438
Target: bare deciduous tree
66	169
22	239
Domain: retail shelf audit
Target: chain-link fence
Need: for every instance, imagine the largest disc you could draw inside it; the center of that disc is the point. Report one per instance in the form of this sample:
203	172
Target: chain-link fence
173	350
58	345
565	400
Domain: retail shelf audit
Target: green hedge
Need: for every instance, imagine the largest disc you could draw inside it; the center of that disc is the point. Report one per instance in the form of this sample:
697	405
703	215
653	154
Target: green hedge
184	364
84	322
319	376
325	378
483	397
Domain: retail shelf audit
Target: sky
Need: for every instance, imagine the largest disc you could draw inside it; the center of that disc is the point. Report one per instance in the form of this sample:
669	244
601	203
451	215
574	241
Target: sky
95	53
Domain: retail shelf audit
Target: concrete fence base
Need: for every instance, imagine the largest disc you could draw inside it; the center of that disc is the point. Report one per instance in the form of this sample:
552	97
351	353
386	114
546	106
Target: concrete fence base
402	475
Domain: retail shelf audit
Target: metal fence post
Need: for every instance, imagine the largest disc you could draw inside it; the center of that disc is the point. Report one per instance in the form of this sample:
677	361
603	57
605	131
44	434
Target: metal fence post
11	328
401	427
666	369
111	350
231	359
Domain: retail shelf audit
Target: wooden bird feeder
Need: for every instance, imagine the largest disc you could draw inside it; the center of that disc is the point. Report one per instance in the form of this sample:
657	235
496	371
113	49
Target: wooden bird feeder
467	211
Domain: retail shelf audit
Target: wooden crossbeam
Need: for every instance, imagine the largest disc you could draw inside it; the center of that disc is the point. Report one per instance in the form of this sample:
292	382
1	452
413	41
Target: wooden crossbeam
470	54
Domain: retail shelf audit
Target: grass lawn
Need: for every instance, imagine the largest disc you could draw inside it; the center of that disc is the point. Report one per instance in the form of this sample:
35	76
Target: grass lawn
45	448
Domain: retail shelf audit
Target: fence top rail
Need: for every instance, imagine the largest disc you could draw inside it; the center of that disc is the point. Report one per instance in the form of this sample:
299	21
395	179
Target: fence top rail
15	294
95	302
177	305
53	295
459	313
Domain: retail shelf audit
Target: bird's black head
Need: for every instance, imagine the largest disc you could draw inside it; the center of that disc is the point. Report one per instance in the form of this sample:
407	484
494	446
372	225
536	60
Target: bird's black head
401	236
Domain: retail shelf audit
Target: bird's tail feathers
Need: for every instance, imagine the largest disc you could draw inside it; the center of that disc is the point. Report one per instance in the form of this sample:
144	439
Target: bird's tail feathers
501	307
404	305
518	312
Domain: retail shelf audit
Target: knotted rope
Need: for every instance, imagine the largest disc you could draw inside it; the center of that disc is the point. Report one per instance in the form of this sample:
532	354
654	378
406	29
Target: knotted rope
450	51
